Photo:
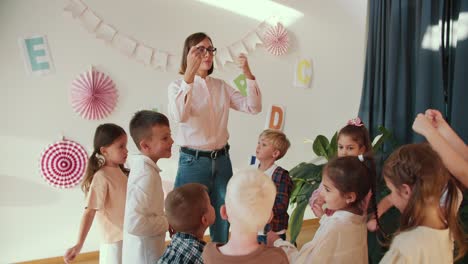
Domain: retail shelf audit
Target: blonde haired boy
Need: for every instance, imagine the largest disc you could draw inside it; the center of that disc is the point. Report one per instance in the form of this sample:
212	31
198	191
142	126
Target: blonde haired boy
272	146
249	200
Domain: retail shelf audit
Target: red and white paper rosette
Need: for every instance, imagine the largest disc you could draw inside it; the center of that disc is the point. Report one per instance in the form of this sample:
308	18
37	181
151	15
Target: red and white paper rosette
276	40
63	164
93	95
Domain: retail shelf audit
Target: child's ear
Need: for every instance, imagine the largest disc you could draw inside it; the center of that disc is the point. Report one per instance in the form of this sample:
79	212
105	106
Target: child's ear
223	212
362	150
350	197
143	145
103	151
276	154
406	191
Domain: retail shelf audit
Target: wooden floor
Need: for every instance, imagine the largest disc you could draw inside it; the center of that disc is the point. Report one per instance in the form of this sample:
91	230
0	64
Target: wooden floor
307	233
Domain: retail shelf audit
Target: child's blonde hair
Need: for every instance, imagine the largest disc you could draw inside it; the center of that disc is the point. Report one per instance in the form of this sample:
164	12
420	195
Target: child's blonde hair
420	167
249	199
278	140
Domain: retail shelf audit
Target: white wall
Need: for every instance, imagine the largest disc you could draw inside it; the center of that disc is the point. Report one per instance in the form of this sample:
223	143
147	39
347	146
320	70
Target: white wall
39	221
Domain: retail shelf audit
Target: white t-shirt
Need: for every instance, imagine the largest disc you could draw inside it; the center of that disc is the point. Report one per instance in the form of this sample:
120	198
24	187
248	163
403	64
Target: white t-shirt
421	245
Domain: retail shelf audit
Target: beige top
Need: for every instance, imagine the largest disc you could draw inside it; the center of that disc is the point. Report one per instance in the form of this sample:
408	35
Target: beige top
263	254
107	195
341	238
421	245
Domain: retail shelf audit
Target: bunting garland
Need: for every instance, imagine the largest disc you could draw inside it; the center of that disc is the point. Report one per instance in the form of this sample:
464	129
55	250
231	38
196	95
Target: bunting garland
158	58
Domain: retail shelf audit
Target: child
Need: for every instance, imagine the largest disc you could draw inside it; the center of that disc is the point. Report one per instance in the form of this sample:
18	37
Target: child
417	180
105	186
272	146
190	213
353	140
341	237
249	201
445	141
145	224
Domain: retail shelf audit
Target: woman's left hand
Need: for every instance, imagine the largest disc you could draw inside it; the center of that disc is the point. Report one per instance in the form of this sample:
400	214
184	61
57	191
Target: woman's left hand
244	65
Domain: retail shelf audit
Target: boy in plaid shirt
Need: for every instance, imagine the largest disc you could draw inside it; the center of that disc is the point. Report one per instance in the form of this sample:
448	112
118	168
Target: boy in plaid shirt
189	212
272	146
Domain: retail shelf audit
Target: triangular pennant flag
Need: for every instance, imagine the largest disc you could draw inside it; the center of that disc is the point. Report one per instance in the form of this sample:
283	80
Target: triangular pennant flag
252	40
76	7
160	59
224	56
105	32
144	54
237	48
90	21
124	44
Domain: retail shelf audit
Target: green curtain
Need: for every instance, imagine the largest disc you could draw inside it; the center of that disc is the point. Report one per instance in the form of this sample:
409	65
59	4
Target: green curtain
406	72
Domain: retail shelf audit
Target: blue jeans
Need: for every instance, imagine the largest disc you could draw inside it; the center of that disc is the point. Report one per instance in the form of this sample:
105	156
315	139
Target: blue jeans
214	174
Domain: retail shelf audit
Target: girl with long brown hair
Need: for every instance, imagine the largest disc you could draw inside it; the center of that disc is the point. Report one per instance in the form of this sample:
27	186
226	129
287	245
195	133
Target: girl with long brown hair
105	188
426	195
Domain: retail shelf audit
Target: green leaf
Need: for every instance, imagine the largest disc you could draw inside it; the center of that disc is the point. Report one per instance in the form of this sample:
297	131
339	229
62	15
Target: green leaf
384	136
320	146
296	189
307	171
296	220
333	147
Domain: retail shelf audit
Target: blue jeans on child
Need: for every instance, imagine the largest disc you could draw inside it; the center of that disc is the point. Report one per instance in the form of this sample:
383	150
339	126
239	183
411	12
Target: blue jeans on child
214	172
263	239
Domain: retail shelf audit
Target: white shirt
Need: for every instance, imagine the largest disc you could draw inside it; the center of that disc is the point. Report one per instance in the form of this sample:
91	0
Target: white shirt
421	245
201	110
341	238
145	224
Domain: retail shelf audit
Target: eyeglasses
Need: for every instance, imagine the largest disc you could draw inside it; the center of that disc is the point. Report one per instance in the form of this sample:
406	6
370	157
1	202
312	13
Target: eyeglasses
203	50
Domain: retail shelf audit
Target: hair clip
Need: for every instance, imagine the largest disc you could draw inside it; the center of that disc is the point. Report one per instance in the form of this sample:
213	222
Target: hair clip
361	157
355	122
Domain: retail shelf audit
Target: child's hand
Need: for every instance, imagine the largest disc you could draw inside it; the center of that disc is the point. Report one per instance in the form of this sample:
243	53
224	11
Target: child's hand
422	125
318	210
71	253
437	120
244	65
271	238
372	225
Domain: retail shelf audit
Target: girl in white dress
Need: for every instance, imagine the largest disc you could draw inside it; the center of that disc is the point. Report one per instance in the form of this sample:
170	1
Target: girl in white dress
417	180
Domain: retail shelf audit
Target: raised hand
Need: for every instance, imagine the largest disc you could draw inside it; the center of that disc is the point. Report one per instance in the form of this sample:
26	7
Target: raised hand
244	65
194	59
422	125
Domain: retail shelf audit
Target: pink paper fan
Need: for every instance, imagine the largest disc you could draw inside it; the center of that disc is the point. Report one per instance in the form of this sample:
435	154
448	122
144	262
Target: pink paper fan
276	40
93	95
63	164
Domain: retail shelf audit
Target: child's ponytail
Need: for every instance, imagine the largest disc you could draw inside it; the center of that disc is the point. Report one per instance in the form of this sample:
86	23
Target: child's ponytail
95	162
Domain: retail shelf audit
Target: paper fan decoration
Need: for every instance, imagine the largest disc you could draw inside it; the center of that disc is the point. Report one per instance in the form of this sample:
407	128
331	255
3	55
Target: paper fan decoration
63	164
93	95
276	40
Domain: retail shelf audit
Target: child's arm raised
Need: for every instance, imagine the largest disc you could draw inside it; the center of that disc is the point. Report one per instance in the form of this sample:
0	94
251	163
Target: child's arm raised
447	132
451	158
86	222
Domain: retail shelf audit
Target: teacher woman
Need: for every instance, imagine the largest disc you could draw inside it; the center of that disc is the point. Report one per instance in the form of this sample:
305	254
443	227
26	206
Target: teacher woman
200	104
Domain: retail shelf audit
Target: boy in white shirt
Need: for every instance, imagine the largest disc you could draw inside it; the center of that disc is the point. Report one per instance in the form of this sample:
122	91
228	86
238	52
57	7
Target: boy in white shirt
145	224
